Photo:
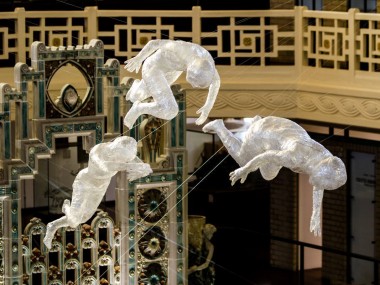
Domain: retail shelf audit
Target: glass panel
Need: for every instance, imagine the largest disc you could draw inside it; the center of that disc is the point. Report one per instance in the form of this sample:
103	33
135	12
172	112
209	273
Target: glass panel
362	272
371	6
364	6
312	4
357	4
362	181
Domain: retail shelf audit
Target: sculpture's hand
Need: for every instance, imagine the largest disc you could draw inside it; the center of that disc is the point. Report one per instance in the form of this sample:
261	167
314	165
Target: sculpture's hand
204	111
138	170
315	225
192	269
133	64
146	169
240	173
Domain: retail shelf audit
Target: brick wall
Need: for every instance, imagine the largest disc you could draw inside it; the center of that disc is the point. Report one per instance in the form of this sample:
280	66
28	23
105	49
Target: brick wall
284	219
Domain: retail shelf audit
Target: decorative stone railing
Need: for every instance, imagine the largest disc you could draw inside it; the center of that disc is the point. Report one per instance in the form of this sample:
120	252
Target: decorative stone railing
316	65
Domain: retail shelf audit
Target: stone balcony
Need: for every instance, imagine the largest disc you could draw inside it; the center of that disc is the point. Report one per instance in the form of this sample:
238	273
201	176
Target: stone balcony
309	65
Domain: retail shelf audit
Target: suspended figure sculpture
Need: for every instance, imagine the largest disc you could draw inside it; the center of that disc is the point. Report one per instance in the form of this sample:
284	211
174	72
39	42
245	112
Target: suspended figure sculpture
271	143
164	61
91	183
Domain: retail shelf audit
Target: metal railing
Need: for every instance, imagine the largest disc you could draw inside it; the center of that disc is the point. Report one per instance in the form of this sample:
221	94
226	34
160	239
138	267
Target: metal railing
296	268
303	245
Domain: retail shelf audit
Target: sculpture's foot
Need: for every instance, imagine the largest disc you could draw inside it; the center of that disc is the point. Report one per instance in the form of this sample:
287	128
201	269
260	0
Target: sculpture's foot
132	115
66	207
48	241
139	171
240	173
48	236
128	123
212	126
315	226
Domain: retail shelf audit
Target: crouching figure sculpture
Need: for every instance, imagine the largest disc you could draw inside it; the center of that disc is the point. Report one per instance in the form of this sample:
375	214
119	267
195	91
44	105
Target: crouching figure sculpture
91	183
163	61
271	143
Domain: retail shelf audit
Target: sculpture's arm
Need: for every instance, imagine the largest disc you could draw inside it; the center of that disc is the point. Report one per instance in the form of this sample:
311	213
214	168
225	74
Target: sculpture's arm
274	158
315	223
135	63
210	248
211	97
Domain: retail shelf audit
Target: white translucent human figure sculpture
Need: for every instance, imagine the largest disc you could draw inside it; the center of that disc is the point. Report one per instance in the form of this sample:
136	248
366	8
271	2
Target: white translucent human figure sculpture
91	183
271	143
164	61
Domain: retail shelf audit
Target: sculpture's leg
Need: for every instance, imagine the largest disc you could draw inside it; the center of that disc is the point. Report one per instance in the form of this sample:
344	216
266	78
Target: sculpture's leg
132	115
138	91
163	105
315	223
66	206
165	109
52	227
172	76
231	143
132	91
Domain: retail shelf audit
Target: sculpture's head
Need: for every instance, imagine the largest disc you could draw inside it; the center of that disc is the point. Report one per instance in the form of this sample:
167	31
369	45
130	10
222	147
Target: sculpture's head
329	174
209	231
200	73
123	148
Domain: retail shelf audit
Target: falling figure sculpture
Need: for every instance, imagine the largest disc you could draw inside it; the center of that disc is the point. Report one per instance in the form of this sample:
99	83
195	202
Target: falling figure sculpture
91	183
164	61
271	143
